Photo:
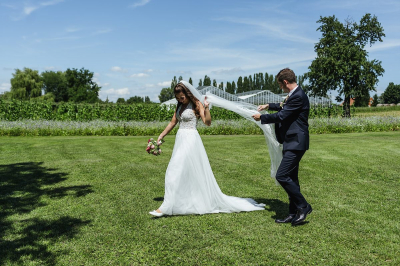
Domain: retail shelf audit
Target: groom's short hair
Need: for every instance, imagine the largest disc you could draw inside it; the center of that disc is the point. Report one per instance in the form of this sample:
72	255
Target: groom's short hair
286	74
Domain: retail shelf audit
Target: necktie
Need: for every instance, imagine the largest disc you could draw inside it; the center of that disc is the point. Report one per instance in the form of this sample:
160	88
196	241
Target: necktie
286	98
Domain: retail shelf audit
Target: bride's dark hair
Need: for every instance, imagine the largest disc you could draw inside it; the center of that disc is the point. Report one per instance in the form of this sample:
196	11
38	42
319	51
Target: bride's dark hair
182	88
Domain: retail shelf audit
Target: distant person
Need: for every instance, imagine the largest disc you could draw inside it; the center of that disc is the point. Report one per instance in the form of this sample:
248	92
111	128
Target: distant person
291	129
190	185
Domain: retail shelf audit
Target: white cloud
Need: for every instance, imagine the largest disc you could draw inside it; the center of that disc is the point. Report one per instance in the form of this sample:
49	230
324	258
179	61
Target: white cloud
139	75
120	92
118	69
140	3
148	70
164	83
389	44
228	71
29	9
102	31
50	3
5	87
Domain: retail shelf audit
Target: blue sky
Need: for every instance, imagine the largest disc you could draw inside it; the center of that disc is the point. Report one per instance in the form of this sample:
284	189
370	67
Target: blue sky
135	47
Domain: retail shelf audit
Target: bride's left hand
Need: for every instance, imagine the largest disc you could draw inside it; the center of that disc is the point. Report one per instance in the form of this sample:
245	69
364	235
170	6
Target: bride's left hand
206	103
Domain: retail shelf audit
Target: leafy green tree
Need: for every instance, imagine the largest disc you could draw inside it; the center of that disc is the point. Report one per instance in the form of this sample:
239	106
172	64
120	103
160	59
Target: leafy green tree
200	82
221	86
81	87
391	94
246	84
136	99
173	83
190	81
26	84
207	81
215	83
180	78
239	85
147	99
342	62
55	83
233	87
229	88
166	94
120	100
375	100
362	100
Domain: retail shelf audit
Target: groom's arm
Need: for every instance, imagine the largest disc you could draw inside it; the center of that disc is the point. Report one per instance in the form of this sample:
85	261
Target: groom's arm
274	106
290	109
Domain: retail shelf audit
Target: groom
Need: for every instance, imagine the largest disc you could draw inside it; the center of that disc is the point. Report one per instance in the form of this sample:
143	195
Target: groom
291	128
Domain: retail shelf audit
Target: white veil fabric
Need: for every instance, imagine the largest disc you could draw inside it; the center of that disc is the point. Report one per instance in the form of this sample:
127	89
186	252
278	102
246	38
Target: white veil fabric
246	110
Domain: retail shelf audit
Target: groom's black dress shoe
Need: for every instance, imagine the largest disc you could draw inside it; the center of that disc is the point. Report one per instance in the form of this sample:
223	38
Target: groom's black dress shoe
301	215
286	220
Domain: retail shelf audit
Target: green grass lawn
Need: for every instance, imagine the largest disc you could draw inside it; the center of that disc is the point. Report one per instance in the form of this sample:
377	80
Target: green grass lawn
85	201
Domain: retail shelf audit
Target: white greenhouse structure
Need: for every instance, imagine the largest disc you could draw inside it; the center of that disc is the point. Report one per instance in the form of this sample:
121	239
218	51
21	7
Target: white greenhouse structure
256	97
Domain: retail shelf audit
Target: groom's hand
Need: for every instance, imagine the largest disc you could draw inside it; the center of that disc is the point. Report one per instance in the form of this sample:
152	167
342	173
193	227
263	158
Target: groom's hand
256	117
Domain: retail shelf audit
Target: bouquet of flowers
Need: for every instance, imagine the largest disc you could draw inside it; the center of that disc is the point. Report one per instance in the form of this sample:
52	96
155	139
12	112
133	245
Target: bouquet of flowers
153	147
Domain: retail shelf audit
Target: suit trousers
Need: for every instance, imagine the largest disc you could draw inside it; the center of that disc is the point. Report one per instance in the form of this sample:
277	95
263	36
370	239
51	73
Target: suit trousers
288	177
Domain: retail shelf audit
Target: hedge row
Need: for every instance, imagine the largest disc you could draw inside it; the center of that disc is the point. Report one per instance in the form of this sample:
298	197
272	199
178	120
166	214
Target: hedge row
21	110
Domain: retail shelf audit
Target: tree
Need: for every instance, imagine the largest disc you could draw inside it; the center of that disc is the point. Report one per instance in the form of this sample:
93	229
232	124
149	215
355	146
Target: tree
342	62
214	83
233	87
207	81
81	87
229	88
391	94
375	100
135	99
239	85
362	100
55	83
190	81
200	82
147	99
120	100
246	84
173	83
166	94
26	84
221	86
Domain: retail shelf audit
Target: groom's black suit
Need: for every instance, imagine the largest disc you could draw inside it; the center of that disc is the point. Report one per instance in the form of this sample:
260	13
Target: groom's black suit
291	128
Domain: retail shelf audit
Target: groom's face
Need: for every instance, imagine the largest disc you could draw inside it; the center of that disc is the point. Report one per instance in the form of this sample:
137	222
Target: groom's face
283	85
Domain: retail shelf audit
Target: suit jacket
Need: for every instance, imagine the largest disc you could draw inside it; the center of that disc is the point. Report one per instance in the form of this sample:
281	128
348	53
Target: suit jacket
291	121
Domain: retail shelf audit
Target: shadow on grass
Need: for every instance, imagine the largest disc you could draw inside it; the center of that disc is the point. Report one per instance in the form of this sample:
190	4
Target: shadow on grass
21	187
280	208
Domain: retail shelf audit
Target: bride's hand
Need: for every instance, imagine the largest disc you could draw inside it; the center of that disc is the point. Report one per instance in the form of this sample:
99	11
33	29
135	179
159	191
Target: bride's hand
159	140
206	103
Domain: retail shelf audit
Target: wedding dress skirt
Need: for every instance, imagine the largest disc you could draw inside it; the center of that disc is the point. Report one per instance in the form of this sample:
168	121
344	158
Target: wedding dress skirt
190	185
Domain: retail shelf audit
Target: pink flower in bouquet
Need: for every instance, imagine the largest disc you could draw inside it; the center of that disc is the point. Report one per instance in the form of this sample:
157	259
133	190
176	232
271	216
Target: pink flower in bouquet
153	147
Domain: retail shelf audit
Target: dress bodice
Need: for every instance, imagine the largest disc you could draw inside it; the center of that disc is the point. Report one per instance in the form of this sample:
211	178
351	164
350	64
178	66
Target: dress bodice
188	119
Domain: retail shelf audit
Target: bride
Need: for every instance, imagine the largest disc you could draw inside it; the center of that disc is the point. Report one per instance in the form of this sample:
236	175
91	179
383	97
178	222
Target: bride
190	185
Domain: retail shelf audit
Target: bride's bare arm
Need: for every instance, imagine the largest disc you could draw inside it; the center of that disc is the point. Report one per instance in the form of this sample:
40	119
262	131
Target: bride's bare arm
205	112
168	128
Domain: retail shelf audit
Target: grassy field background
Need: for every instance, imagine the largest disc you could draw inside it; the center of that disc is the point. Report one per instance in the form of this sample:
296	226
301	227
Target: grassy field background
85	201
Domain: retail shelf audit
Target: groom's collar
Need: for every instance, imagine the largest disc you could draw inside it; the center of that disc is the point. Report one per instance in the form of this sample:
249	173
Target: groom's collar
291	92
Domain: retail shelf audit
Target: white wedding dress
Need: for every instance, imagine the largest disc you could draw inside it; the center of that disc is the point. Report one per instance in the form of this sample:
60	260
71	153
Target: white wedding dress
190	185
